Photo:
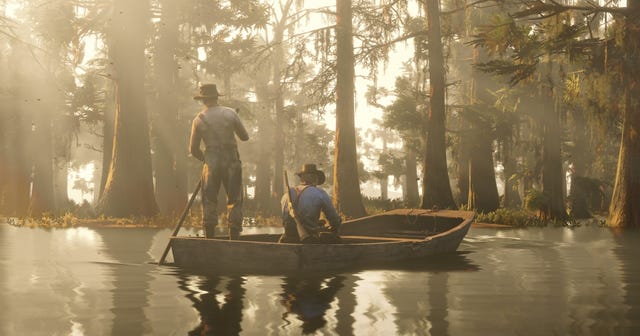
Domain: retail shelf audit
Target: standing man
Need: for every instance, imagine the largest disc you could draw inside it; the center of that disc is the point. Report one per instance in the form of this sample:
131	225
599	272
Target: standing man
309	202
216	126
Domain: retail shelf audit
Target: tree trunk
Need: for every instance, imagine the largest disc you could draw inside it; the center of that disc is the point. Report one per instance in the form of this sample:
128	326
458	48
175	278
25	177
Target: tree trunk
624	210
583	191
464	151
42	195
436	188
277	78
61	159
531	158
483	190
171	189
411	181
578	196
278	155
384	188
108	130
552	179
299	149
60	180
346	184
262	193
15	197
511	196
129	186
4	159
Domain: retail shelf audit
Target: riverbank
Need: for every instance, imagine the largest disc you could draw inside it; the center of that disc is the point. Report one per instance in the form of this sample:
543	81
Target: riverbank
500	219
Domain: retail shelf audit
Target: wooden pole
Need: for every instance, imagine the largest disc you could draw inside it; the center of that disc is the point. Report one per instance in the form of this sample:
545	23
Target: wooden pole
177	228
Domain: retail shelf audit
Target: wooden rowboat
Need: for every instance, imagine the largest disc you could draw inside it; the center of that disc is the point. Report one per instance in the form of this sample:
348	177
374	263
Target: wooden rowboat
384	238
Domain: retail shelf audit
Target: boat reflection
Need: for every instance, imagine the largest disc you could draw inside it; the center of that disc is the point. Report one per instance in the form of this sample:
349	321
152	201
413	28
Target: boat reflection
317	302
309	298
220	311
453	262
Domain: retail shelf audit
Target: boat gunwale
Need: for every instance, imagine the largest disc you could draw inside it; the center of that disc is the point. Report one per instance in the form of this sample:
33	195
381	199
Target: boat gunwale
384	240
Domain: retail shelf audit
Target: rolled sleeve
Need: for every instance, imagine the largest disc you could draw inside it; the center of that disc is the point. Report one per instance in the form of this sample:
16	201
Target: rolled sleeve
330	211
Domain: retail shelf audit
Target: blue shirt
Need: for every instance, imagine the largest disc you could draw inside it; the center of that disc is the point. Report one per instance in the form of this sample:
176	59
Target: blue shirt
311	203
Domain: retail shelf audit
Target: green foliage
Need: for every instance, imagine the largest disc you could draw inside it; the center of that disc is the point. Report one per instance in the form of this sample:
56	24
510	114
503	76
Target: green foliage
520	47
516	71
536	200
403	116
375	205
512	217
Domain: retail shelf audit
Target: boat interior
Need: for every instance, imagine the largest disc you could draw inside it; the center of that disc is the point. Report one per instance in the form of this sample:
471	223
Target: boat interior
379	229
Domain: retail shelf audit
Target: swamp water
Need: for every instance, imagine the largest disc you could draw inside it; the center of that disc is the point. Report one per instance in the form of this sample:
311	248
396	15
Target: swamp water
536	281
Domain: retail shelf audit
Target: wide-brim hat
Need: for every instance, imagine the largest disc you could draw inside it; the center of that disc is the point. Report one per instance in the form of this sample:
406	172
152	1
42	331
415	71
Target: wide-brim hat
207	91
310	168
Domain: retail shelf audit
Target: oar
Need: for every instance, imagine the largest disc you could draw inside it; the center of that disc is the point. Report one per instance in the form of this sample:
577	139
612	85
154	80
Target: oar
184	215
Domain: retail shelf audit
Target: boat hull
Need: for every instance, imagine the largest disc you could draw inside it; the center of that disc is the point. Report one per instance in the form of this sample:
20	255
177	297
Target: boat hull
262	253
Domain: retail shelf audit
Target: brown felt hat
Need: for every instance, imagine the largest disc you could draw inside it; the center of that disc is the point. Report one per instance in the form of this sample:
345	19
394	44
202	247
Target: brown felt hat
310	168
207	91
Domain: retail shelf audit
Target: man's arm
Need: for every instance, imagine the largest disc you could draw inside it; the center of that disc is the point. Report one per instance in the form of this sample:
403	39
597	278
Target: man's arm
194	142
240	130
330	211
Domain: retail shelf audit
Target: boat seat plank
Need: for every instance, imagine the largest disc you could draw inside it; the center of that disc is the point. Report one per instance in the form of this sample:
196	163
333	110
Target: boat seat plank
381	239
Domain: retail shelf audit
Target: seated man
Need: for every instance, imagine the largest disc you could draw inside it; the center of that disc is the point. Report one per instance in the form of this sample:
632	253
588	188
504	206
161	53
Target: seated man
309	201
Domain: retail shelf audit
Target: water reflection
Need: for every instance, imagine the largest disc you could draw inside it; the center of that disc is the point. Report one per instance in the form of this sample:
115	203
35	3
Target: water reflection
627	250
308	299
130	272
455	262
220	311
421	295
3	278
547	281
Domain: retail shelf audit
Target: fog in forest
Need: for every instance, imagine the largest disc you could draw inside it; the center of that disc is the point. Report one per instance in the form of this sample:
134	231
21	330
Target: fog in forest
445	104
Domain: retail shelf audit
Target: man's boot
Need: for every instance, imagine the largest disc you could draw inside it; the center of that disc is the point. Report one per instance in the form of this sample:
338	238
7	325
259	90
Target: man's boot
234	233
209	230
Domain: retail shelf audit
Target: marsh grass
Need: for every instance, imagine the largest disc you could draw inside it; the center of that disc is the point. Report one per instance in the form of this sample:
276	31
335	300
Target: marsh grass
193	220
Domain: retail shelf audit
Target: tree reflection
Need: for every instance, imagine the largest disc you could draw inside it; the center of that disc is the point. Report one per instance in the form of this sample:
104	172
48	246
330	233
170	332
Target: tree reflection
220	312
309	298
627	250
424	310
129	248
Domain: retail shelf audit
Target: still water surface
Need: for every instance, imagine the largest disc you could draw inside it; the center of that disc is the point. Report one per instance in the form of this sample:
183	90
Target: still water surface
538	281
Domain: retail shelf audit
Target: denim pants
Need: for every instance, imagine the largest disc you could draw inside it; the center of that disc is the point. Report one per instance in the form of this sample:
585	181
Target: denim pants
222	168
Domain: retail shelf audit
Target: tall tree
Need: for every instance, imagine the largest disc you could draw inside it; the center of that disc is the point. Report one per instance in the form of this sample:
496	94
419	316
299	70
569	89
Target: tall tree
278	58
483	194
436	189
402	116
624	210
129	186
169	145
16	191
346	186
42	198
483	190
263	168
54	27
552	172
536	64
